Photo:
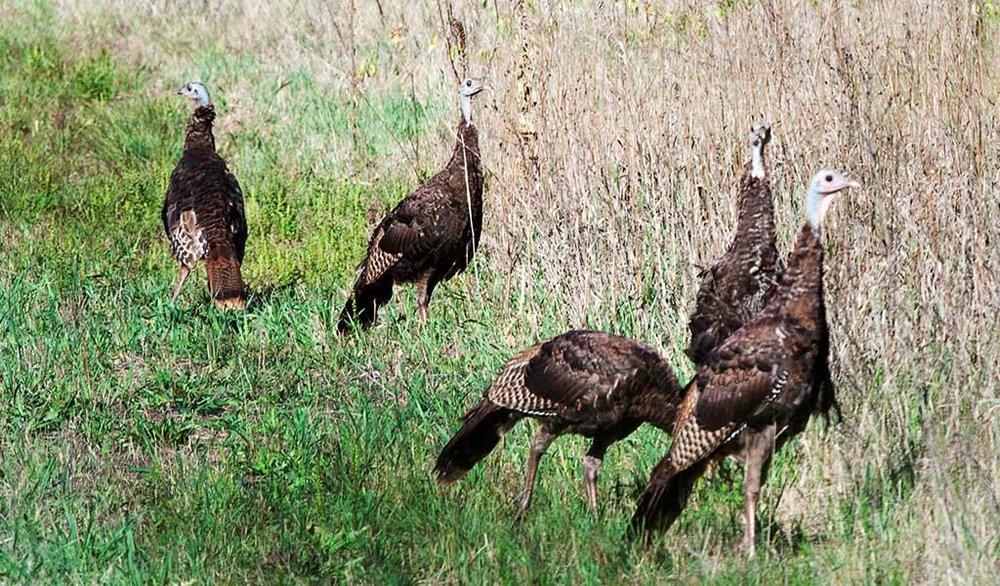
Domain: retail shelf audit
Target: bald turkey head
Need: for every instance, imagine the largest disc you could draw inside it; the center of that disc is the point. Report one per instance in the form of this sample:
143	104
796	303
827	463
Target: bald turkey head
760	135
196	92
470	87
825	186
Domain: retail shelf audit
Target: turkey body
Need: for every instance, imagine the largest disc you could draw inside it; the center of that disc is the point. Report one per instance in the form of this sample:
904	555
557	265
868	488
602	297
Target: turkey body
738	286
594	384
429	237
203	214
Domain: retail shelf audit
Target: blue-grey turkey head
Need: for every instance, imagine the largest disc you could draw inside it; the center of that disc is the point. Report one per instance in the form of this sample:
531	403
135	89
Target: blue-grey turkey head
196	92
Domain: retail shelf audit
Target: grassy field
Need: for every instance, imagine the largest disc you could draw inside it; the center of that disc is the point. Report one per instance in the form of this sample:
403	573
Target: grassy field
142	441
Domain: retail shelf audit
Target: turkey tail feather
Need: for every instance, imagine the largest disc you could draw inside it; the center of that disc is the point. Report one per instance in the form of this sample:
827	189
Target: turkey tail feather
225	280
481	431
664	499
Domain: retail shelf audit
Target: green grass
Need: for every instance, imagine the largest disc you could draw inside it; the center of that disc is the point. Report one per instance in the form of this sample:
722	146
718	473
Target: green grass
149	442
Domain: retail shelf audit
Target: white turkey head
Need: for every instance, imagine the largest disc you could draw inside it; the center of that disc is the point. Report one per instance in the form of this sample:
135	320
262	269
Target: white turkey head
760	135
469	88
196	92
824	188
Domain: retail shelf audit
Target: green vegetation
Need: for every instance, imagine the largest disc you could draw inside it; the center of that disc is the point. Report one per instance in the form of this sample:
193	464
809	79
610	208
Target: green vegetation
148	442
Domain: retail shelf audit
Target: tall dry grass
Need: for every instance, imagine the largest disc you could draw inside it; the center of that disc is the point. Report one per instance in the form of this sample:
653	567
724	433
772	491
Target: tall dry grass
613	176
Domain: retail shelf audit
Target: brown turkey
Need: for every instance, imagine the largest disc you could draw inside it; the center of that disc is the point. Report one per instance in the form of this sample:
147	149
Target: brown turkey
759	388
431	235
738	285
594	384
203	210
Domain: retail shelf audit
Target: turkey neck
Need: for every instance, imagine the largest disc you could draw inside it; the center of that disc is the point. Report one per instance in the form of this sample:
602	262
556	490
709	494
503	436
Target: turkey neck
468	137
755	209
802	283
199	129
658	405
659	411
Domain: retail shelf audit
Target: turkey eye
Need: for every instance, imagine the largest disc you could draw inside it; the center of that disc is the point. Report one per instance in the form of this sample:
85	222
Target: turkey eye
829	178
468	83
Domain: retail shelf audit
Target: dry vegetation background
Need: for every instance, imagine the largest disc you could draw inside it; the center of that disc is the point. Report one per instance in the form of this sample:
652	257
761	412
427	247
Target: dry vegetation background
613	133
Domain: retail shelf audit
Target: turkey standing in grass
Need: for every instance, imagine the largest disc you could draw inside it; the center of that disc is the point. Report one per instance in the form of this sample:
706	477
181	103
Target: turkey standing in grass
431	235
758	388
594	384
203	210
738	285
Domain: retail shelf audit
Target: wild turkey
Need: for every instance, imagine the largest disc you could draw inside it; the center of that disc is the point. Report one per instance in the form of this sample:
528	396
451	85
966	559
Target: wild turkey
594	384
203	209
739	284
431	235
758	389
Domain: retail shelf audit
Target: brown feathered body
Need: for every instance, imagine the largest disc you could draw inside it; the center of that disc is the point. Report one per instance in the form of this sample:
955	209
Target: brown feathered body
429	237
738	286
598	385
752	393
203	213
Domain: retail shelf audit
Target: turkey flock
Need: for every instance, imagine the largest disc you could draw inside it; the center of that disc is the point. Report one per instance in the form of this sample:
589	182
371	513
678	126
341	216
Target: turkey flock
758	333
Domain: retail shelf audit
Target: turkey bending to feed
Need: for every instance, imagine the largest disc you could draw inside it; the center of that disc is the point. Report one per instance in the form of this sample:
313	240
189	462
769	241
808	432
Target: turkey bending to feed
594	384
428	237
203	209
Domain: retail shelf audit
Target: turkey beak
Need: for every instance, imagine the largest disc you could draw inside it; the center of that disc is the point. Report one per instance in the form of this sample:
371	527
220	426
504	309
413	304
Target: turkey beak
849	184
